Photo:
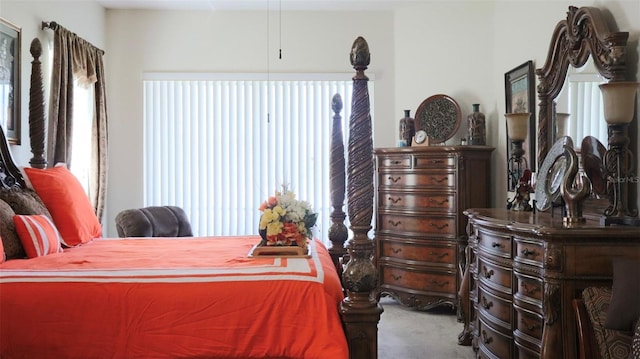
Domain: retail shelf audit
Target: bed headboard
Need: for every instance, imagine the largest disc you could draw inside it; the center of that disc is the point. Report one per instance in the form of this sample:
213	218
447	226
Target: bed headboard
10	174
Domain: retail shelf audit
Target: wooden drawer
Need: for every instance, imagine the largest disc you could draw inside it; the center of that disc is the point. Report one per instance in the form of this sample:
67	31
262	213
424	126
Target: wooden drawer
498	244
498	344
528	323
435	161
440	180
434	225
529	252
528	289
442	254
421	281
418	201
395	161
494	276
495	306
526	353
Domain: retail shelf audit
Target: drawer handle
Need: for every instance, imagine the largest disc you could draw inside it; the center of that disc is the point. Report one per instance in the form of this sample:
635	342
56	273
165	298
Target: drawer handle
531	327
487	273
527	252
396	277
394	223
396	162
441	202
394	179
395	200
441	283
439	255
487	305
496	244
485	338
396	250
440	226
437	161
440	180
528	290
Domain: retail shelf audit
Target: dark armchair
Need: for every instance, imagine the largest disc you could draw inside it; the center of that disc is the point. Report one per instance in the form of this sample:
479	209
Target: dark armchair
156	221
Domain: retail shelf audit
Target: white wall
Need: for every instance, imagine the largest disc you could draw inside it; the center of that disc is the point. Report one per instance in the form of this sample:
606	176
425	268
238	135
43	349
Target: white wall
460	48
226	42
85	18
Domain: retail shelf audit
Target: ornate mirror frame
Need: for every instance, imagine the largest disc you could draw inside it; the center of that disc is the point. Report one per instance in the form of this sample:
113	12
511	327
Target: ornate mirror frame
585	32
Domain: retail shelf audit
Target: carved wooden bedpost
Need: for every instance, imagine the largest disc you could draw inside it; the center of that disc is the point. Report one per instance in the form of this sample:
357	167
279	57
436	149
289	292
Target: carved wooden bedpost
338	232
36	108
360	310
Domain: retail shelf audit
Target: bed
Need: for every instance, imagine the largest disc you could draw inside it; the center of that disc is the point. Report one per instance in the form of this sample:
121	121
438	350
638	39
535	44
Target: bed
199	297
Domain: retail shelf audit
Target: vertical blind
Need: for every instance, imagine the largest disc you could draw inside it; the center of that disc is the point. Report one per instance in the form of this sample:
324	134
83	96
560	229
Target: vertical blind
586	109
219	145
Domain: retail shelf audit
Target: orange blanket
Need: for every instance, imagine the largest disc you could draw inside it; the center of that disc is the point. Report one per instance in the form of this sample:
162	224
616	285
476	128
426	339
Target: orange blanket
170	298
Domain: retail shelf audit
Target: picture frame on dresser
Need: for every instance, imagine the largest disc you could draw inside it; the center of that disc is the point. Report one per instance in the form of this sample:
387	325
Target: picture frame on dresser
10	40
519	86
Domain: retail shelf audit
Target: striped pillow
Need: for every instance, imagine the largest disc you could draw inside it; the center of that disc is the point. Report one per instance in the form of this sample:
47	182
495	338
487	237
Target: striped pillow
2	256
38	235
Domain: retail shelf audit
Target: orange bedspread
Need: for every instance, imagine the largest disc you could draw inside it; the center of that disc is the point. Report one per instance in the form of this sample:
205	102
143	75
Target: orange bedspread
170	298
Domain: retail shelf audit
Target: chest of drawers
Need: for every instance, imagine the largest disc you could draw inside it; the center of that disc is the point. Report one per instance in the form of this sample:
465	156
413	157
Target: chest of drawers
523	271
420	228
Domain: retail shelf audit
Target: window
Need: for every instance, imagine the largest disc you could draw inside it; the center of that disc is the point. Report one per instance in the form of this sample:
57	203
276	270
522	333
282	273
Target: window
81	147
219	145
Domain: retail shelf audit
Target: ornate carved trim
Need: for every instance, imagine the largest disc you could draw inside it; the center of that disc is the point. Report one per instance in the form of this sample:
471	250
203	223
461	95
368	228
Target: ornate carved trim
585	32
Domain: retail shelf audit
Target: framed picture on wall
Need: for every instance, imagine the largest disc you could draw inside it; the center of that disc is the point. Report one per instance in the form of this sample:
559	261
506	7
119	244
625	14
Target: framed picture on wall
520	97
10	80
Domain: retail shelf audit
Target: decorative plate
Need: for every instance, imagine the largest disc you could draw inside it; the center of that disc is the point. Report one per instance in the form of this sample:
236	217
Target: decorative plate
439	115
551	173
592	162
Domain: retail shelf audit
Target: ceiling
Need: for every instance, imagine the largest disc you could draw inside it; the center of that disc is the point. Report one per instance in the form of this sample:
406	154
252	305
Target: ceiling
286	5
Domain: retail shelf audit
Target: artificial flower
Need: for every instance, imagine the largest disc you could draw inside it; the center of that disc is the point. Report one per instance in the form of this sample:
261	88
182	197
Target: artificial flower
286	221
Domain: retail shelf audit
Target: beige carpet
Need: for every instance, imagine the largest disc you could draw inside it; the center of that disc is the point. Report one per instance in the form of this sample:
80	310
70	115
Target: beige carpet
404	333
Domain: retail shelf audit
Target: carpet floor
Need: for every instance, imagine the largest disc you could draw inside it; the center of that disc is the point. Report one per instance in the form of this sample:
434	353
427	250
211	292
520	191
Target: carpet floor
405	333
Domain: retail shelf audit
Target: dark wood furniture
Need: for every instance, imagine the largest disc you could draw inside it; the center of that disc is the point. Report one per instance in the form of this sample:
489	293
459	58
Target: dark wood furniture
420	228
524	271
585	33
360	311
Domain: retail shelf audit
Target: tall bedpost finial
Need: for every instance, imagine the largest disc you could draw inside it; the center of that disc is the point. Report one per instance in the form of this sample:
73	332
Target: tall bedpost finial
338	232
360	309
36	108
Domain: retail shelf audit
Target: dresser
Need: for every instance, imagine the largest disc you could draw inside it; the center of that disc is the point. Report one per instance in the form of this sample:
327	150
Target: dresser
524	269
421	193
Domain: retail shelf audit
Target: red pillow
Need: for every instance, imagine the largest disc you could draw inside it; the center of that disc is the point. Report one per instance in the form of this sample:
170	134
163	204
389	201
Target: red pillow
67	202
38	235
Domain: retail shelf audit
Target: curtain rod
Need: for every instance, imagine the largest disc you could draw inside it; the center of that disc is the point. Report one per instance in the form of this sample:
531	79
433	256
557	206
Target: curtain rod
49	25
54	26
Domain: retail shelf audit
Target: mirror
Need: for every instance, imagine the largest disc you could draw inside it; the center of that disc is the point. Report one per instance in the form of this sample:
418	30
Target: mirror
579	106
584	36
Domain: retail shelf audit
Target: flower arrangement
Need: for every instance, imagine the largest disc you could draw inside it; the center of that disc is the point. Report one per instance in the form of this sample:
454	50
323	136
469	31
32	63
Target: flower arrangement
286	221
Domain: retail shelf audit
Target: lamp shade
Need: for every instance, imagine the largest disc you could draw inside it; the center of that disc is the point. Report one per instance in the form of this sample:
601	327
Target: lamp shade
517	125
618	99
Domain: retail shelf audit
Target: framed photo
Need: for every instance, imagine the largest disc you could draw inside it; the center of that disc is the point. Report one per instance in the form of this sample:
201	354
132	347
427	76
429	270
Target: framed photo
520	97
10	80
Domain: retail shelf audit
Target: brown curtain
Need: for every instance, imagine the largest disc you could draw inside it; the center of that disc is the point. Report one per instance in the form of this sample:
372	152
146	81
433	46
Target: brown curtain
75	57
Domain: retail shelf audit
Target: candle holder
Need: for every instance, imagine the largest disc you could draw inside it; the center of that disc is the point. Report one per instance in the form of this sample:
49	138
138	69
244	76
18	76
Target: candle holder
619	99
517	166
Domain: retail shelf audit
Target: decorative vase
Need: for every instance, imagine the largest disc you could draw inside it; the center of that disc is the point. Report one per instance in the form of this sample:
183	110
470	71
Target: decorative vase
407	129
477	130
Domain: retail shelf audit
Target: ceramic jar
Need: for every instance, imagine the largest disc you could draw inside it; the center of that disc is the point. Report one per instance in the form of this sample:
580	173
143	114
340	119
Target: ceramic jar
407	129
477	130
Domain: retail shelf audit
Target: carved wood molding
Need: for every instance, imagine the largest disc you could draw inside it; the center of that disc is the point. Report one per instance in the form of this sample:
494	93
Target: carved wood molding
585	32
